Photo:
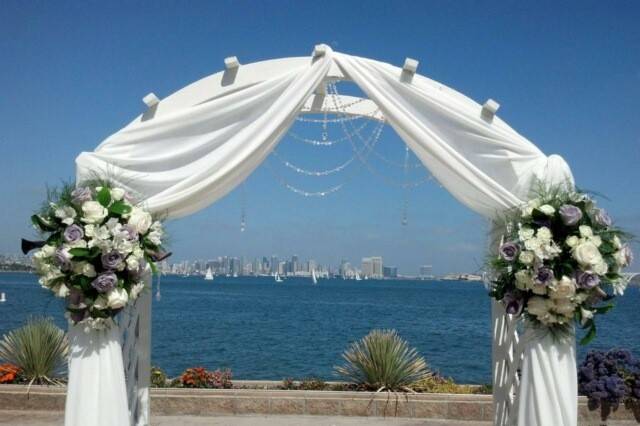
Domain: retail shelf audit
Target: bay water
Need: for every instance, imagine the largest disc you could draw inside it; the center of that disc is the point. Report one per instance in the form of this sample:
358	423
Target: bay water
261	329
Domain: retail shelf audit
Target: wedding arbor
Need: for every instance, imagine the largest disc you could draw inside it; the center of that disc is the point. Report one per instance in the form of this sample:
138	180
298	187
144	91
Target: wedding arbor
193	147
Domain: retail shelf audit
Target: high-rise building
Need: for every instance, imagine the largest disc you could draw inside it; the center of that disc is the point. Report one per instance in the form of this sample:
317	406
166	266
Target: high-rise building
390	272
426	271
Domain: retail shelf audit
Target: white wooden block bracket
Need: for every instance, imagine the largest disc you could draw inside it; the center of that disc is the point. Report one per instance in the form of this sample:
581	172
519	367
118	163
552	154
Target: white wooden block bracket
151	100
489	109
409	69
319	50
231	63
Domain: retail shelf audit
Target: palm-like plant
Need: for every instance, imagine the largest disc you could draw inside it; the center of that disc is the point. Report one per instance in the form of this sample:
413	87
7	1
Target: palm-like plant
382	360
39	348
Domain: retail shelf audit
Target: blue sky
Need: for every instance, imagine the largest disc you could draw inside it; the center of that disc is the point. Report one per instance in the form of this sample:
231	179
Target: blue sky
567	76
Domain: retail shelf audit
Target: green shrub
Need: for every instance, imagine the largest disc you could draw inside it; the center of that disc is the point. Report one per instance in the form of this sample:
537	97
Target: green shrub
312	383
158	377
439	384
382	360
39	348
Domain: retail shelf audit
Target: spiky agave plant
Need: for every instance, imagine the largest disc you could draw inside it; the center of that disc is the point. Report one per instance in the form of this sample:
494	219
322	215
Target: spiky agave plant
39	348
382	360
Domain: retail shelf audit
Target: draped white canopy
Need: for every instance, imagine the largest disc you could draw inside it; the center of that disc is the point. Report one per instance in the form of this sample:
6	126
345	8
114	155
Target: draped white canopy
183	158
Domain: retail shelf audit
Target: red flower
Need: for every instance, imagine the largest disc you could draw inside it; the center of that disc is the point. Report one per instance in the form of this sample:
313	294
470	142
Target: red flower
8	373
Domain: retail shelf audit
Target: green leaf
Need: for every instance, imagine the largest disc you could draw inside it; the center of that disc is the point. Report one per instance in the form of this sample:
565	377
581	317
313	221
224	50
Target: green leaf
41	223
80	252
120	208
603	309
104	197
591	334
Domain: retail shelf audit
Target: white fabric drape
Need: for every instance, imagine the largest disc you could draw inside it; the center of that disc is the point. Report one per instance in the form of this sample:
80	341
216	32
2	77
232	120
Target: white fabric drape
549	385
183	161
96	393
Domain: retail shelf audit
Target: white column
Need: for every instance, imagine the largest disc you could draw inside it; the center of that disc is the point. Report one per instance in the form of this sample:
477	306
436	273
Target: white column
144	355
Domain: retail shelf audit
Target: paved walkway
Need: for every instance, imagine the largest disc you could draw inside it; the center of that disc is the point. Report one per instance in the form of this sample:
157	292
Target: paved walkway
39	418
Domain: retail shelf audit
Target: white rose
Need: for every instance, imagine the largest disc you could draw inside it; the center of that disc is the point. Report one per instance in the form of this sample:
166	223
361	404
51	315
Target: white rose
564	307
523	280
133	264
155	237
527	257
47	250
138	252
587	254
572	241
117	194
544	234
136	290
100	303
140	220
93	212
66	214
600	268
539	289
596	240
532	244
564	288
77	244
538	306
617	244
117	298
620	258
547	209
157	226
61	290
84	268
585	231
525	233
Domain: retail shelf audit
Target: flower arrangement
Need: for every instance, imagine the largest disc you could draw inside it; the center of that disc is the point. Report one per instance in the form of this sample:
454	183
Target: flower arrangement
9	373
199	377
610	378
560	260
97	245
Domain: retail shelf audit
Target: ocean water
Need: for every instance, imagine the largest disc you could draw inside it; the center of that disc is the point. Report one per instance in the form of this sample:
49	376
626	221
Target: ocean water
264	330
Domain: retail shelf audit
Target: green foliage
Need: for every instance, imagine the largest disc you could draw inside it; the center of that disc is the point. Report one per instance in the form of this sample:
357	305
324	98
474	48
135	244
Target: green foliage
39	348
382	360
158	378
439	384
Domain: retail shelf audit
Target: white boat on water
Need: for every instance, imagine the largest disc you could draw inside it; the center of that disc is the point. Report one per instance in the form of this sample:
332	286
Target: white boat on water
209	275
357	278
276	276
314	279
3	297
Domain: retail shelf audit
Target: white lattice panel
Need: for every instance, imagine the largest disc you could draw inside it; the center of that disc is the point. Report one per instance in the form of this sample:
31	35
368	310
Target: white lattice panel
507	360
134	323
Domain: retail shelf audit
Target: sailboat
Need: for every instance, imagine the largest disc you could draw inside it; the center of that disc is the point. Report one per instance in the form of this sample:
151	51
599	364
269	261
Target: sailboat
358	276
276	276
313	277
3	297
209	275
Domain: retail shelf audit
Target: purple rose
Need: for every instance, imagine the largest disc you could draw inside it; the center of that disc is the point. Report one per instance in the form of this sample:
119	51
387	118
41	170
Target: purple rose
111	260
132	234
509	251
105	282
587	280
81	194
513	304
602	218
73	233
63	258
544	276
570	214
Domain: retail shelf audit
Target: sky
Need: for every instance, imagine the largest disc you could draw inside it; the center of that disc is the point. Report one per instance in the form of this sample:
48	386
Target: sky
567	76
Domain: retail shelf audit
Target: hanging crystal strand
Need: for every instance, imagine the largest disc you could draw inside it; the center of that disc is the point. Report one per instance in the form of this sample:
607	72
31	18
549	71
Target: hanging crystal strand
405	189
242	209
158	295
